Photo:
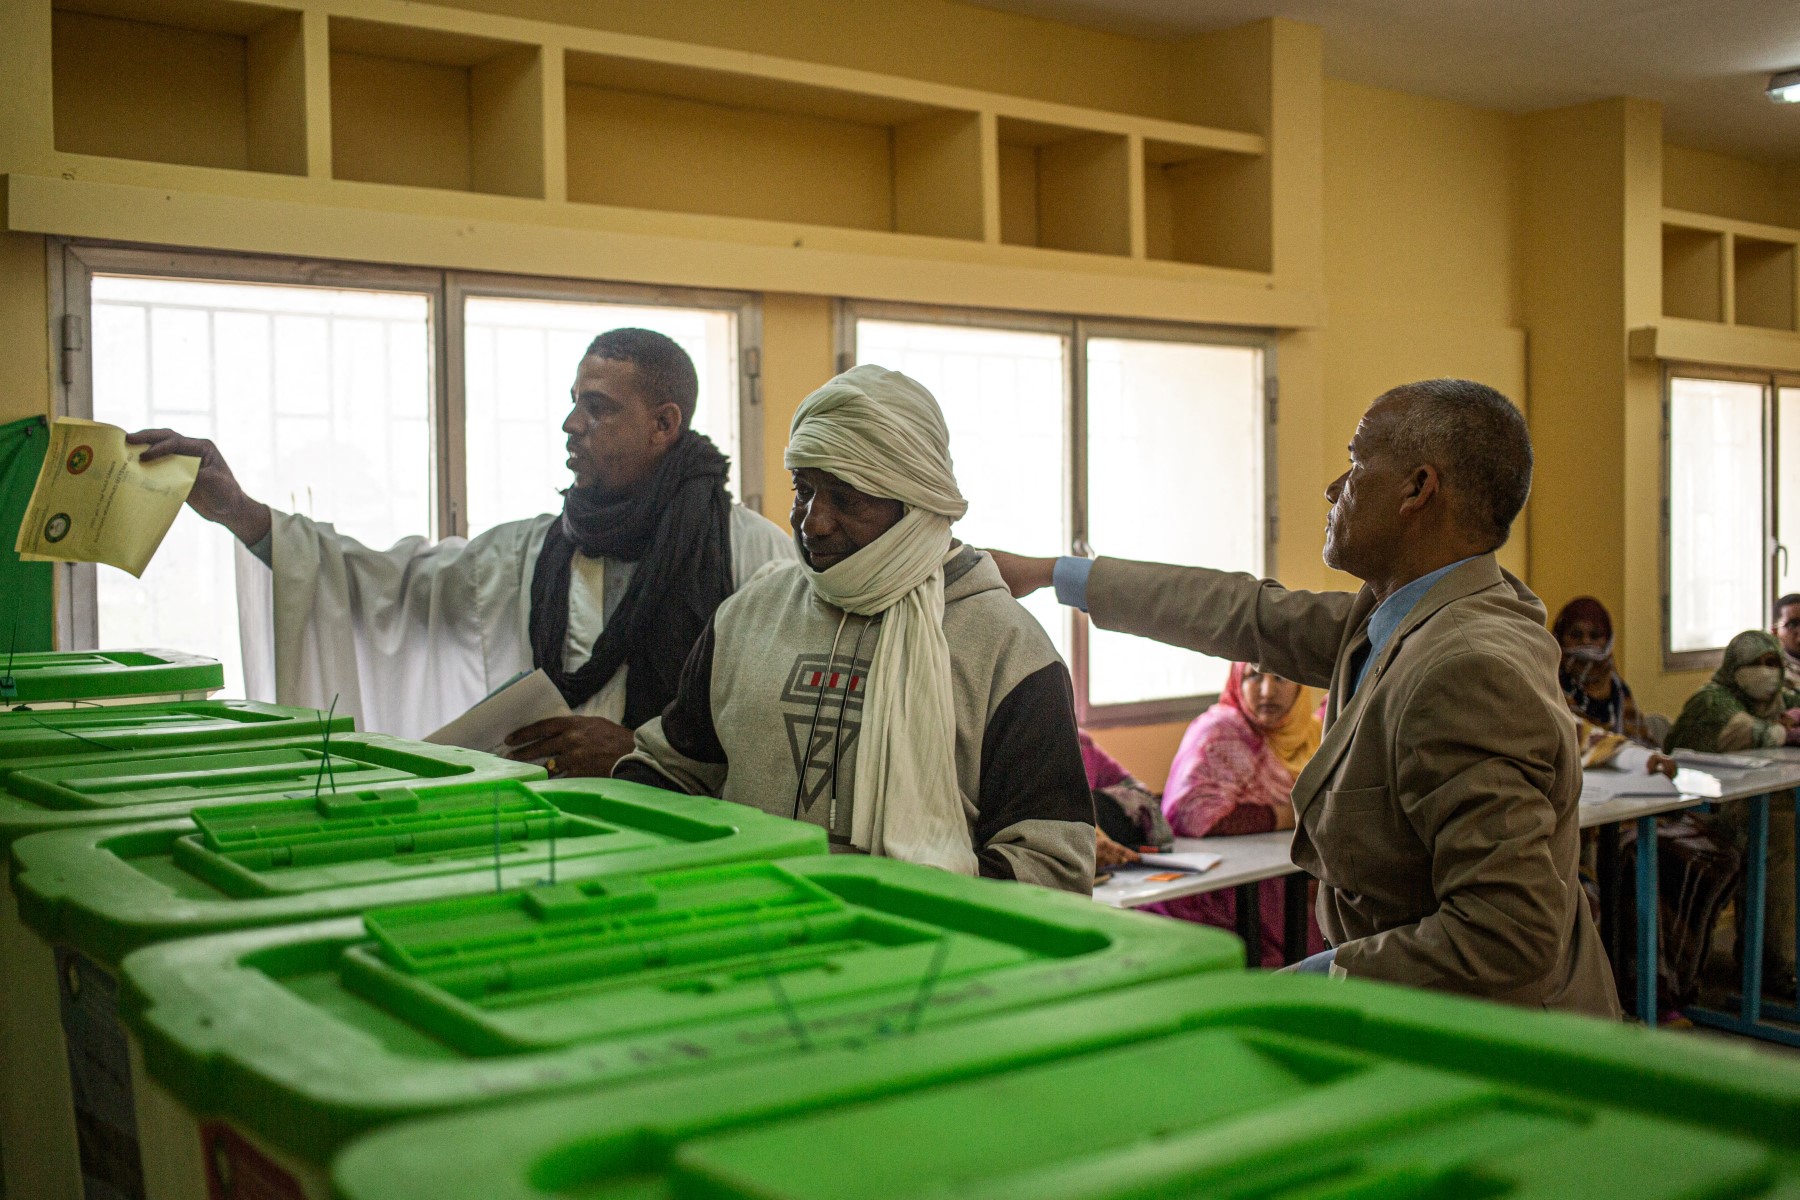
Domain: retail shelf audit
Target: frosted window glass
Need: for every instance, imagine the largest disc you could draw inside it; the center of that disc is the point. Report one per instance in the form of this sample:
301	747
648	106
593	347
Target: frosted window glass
1175	475
1715	512
1005	398
520	361
320	400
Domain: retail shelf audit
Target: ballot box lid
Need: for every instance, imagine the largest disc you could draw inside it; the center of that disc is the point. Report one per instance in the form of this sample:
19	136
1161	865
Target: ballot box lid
112	787
1244	1084
66	675
308	1034
108	889
31	737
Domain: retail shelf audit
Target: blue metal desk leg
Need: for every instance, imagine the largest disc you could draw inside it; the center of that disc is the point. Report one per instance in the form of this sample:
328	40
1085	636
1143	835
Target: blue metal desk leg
1756	892
1746	1020
1789	1012
1646	919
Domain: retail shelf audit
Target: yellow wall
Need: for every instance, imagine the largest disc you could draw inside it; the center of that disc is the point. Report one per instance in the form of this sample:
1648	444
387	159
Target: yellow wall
1596	179
1701	181
1574	298
798	355
24	328
1422	206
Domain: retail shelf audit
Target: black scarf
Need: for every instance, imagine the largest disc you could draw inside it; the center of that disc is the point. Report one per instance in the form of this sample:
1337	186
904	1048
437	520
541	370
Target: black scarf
677	530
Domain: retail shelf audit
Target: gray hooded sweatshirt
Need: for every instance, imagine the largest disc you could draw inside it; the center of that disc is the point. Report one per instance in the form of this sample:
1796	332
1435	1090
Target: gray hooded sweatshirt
770	715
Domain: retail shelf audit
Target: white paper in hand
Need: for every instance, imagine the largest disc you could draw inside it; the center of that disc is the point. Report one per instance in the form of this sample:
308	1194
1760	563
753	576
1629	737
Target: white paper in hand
517	704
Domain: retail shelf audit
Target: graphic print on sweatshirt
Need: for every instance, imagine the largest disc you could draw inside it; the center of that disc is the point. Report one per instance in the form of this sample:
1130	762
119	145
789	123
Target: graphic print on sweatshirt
822	707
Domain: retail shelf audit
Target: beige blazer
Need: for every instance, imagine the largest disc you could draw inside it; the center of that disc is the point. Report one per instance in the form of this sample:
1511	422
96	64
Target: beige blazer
1439	814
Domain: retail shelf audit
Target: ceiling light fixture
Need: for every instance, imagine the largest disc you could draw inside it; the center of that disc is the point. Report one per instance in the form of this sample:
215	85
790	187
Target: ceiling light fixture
1784	87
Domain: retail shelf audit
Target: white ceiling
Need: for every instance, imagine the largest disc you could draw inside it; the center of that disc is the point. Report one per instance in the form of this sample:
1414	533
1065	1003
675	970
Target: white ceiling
1708	61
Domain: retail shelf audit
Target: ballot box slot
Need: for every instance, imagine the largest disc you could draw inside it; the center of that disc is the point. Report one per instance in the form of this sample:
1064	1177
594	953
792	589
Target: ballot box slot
550	965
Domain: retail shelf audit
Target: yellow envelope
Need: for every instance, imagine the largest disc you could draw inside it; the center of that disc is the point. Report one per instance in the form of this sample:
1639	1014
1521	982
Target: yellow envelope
95	502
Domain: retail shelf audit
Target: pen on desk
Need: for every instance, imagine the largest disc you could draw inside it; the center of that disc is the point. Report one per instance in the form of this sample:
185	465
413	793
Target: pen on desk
1158	862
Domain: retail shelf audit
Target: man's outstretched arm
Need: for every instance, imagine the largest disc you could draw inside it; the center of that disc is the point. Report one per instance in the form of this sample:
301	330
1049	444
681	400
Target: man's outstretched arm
1226	614
216	494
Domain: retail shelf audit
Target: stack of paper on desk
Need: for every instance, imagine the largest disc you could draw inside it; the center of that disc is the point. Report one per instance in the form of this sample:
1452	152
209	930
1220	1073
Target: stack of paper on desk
1628	774
1738	762
1194	861
1600	784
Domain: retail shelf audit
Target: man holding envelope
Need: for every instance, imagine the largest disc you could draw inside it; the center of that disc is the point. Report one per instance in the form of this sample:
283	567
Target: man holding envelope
606	597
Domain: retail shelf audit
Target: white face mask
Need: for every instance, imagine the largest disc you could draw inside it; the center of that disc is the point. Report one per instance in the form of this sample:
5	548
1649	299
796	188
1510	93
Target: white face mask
1758	683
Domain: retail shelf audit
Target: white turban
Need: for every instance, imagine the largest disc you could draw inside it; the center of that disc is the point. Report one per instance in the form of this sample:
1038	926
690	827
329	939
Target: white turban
884	435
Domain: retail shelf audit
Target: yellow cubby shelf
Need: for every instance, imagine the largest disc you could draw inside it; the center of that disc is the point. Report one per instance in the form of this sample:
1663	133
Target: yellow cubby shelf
1734	273
469	137
205	83
659	136
433	108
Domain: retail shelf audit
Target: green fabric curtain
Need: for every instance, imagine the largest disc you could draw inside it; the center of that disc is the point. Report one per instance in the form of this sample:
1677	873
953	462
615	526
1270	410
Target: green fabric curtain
27	590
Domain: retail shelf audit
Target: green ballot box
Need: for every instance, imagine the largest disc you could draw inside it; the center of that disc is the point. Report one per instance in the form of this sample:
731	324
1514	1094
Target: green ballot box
289	1041
89	896
94	787
29	737
66	678
1234	1085
45	737
93	790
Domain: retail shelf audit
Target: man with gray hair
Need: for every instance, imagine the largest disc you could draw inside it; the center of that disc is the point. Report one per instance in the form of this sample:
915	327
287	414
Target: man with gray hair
886	687
1439	814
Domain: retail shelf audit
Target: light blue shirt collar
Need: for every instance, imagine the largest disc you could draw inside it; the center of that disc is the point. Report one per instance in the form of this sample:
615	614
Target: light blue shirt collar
1391	613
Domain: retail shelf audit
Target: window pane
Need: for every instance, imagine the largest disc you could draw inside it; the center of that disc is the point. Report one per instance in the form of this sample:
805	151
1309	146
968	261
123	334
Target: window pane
1715	512
1175	474
520	361
1004	396
1787	466
319	398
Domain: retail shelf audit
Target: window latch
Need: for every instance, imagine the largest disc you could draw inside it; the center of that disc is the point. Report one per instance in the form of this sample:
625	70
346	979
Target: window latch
72	344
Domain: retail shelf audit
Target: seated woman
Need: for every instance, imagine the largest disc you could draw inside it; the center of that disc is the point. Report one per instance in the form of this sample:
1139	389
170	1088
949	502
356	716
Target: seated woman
1126	813
1745	708
1235	774
1590	682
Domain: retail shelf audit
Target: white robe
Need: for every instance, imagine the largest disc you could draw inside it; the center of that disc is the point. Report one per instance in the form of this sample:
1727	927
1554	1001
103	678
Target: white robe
408	638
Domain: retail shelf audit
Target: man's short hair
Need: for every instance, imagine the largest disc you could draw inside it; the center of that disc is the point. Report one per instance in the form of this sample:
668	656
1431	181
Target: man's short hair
1790	598
664	370
1476	439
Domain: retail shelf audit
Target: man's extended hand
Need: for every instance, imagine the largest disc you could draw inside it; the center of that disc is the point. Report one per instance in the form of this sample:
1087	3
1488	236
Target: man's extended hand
216	494
1023	575
588	747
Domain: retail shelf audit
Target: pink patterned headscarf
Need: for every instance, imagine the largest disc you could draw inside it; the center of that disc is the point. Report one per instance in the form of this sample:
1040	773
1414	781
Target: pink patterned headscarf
1227	761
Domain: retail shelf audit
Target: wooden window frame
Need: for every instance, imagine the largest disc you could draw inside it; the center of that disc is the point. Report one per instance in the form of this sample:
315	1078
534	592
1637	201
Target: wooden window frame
1772	382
